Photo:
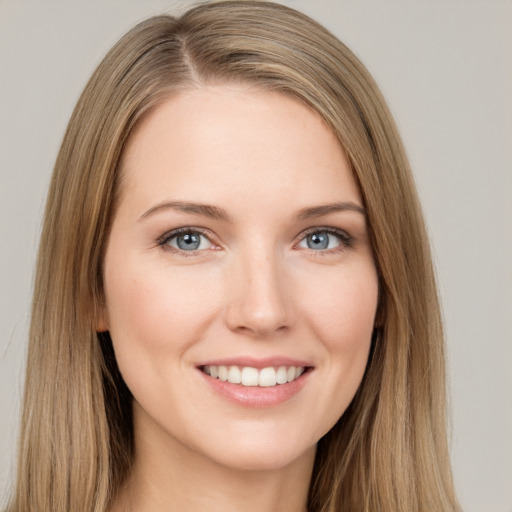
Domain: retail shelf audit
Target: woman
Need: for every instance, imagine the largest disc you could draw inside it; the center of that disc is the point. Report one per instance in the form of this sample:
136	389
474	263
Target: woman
234	303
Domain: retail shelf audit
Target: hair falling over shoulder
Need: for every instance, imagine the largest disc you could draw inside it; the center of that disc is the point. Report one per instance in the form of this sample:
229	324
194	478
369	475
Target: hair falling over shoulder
389	451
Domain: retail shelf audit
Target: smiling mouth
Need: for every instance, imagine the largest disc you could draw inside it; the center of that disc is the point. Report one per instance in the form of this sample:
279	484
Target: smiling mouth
255	377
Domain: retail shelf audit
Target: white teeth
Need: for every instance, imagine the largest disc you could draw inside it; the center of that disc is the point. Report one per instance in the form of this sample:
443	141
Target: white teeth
249	376
234	375
223	372
281	375
267	377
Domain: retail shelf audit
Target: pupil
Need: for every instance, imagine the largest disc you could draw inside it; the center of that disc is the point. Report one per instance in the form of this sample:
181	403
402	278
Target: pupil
189	241
318	241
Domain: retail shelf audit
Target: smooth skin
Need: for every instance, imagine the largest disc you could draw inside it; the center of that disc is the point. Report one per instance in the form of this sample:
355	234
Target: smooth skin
275	261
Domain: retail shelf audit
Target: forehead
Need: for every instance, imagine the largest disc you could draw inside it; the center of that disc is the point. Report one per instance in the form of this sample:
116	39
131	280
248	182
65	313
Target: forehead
229	141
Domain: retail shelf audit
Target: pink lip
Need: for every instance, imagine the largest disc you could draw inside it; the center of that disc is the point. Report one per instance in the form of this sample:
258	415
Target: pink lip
255	396
253	362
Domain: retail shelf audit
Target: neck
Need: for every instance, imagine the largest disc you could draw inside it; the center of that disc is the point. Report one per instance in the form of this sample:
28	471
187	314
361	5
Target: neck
173	478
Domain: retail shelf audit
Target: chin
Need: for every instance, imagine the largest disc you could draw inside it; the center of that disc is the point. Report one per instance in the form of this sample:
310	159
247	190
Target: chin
257	451
263	460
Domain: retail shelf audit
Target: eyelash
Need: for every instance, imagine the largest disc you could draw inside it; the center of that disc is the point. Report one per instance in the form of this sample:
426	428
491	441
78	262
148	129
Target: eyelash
346	241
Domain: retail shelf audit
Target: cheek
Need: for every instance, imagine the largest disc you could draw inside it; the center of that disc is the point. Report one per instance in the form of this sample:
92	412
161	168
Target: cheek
343	309
342	316
156	311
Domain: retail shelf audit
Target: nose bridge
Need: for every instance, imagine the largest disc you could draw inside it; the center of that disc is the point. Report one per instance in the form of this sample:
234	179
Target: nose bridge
260	301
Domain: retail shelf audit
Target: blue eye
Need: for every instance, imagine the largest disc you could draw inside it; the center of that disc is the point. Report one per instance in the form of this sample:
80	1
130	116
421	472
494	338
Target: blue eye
322	240
188	240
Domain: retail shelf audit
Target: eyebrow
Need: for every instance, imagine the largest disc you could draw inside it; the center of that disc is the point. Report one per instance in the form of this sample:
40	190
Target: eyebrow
326	209
205	210
214	212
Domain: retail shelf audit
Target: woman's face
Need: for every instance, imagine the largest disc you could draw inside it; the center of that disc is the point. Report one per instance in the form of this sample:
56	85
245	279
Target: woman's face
239	251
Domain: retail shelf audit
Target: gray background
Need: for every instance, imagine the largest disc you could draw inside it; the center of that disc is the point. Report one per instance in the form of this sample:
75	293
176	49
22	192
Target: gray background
446	70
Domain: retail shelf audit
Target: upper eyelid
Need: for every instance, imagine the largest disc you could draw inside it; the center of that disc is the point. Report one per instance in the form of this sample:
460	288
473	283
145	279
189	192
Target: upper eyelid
319	229
187	229
323	229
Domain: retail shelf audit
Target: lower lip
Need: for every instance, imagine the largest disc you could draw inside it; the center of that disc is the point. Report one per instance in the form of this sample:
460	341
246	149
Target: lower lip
256	396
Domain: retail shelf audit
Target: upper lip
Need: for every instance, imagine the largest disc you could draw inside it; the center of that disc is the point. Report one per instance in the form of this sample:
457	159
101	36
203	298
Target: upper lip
254	362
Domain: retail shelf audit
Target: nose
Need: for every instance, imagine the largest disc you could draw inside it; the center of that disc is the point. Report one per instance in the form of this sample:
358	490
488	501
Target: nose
260	303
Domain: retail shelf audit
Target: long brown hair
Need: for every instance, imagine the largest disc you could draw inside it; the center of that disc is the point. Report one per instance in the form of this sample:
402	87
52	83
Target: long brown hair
388	452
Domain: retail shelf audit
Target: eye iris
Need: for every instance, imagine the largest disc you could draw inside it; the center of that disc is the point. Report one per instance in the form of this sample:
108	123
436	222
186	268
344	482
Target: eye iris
188	241
318	241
